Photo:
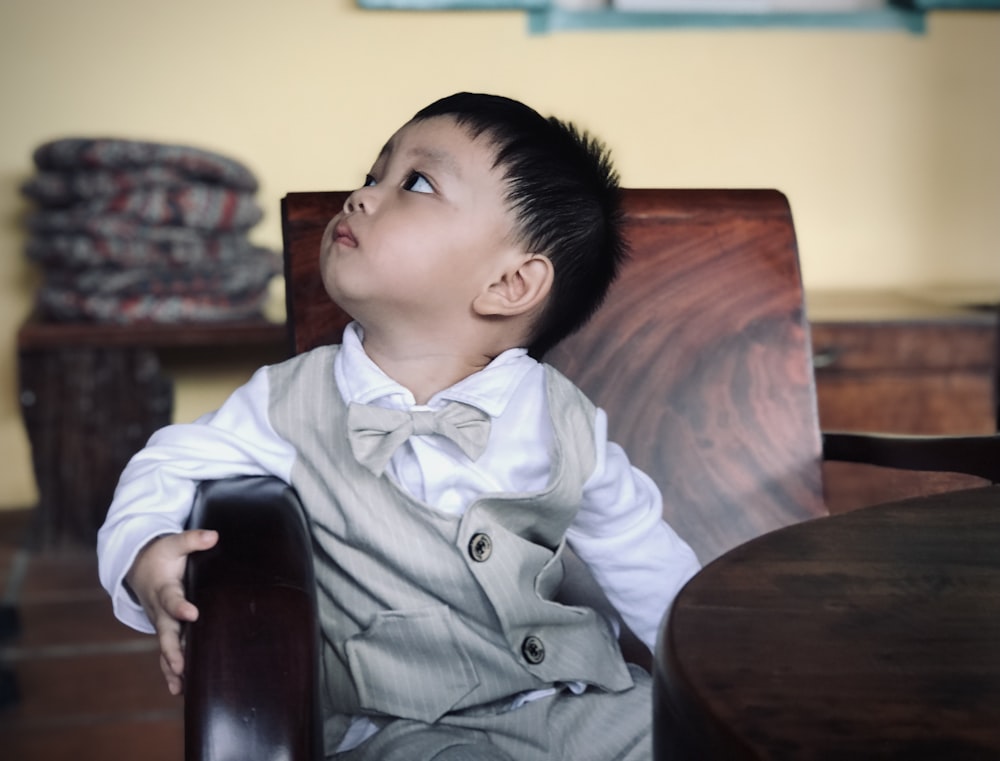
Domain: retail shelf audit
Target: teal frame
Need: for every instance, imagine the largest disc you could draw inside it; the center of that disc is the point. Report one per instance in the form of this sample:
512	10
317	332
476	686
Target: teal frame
543	21
545	17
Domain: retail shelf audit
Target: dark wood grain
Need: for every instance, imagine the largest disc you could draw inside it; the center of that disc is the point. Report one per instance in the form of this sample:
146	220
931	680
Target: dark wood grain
701	358
700	354
871	634
258	698
38	334
977	456
314	320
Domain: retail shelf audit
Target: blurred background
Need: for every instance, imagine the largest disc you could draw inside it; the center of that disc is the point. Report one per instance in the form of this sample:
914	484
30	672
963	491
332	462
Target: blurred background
884	141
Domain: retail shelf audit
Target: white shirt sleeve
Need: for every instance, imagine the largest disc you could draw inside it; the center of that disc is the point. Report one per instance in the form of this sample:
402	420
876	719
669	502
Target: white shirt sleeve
638	560
156	490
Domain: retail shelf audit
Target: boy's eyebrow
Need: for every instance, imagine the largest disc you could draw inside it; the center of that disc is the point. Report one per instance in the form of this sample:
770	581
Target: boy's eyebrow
441	158
438	157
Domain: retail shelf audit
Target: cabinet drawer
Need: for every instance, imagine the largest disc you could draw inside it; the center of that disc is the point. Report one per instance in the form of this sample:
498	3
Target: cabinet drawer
852	346
916	402
933	376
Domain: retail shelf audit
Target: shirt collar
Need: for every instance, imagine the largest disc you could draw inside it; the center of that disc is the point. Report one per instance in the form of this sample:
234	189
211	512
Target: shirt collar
362	381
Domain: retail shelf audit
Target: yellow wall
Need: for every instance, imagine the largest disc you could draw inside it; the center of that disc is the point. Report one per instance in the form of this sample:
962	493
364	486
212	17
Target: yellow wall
885	142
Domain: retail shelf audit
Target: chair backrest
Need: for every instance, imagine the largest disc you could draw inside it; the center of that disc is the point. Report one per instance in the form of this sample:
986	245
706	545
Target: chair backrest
701	355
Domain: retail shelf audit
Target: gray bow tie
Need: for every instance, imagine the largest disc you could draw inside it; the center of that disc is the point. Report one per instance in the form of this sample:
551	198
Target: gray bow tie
376	432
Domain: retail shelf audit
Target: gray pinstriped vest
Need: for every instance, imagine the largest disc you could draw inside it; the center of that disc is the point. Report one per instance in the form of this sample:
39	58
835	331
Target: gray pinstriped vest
421	612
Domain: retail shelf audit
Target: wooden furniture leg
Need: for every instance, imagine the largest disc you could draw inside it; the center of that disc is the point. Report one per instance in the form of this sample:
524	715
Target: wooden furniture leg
87	410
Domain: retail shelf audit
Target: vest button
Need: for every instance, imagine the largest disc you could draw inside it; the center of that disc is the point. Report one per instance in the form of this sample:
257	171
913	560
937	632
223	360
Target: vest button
533	650
480	547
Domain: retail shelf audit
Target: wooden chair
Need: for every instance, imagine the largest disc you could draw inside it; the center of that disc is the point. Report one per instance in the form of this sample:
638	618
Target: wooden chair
701	357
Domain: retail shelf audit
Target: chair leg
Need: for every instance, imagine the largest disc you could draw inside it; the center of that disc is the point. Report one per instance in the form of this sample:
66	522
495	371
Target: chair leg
10	627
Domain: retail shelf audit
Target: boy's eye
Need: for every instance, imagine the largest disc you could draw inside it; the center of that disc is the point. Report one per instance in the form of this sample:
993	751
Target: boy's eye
369	181
417	183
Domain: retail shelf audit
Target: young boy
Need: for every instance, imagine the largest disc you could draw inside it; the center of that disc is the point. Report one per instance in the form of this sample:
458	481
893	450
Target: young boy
443	467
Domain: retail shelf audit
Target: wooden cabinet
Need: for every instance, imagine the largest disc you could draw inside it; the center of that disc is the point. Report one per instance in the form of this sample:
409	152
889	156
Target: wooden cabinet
899	363
91	395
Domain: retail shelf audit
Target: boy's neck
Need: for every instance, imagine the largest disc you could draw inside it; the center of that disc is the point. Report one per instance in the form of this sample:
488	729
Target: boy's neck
424	369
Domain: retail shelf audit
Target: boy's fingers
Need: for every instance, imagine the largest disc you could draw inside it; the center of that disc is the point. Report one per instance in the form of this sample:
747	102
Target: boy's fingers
175	604
157	573
156	578
173	547
174	682
198	539
170	648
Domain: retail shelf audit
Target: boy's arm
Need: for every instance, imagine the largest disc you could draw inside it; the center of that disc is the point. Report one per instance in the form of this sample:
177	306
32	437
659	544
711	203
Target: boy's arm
639	561
156	490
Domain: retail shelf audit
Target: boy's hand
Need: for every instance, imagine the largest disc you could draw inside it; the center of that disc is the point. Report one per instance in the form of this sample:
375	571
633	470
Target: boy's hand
156	578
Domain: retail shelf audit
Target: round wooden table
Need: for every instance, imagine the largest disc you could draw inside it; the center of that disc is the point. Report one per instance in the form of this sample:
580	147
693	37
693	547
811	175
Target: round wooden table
871	634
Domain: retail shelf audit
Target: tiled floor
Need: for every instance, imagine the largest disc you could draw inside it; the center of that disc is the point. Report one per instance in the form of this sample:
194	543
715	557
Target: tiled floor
89	687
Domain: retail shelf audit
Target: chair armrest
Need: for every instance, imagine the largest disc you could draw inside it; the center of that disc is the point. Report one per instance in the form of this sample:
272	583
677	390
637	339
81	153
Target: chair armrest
252	657
972	455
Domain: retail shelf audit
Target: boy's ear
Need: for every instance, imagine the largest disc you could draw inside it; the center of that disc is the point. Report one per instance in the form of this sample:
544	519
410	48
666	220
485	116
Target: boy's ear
518	290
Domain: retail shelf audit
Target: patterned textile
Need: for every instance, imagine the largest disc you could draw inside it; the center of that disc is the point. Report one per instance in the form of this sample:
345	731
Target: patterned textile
202	207
252	273
131	295
133	245
196	164
74	306
132	231
56	189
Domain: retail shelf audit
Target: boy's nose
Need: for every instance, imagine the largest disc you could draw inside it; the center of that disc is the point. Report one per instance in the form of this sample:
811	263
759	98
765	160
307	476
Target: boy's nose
358	201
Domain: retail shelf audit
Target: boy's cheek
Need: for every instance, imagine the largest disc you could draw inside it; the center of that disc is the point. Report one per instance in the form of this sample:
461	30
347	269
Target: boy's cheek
328	234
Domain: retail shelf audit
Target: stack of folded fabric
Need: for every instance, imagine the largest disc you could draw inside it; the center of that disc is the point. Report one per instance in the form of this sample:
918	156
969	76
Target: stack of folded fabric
129	231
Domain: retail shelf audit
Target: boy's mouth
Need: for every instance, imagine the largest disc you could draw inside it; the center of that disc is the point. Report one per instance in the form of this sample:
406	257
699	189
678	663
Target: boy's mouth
342	234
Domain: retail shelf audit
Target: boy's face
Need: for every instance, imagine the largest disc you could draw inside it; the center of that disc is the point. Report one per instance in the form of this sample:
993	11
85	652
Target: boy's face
424	235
